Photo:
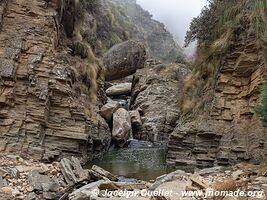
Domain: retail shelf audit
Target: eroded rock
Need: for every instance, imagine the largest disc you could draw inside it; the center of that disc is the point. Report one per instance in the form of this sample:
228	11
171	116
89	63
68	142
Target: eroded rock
136	120
42	182
86	192
119	89
104	173
155	92
72	170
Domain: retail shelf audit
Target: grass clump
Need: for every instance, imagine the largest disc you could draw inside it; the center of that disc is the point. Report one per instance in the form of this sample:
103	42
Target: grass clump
261	110
217	29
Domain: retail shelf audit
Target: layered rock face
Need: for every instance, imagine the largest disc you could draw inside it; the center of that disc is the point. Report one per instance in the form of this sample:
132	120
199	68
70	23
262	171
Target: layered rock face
155	94
41	113
230	132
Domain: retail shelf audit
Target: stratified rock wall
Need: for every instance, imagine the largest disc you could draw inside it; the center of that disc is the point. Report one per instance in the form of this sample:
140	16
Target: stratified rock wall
41	115
231	133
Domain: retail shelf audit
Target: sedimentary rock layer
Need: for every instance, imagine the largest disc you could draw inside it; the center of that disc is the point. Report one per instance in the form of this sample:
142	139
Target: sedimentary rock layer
41	114
233	132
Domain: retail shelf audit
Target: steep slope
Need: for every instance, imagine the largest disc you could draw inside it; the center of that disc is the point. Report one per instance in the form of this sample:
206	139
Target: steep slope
138	24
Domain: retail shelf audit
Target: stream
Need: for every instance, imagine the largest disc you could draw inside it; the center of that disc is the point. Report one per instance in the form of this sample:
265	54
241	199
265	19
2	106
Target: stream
141	160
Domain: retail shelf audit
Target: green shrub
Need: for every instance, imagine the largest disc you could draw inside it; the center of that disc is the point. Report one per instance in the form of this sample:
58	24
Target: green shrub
261	110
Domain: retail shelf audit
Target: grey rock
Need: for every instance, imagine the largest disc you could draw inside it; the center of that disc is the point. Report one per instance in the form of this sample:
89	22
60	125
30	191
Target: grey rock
49	195
31	196
12	171
124	59
104	173
209	171
155	93
119	89
167	178
7	69
72	170
41	182
121	127
237	174
109	109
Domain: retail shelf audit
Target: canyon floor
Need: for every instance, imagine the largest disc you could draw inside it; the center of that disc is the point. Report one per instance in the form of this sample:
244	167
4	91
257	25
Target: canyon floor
26	179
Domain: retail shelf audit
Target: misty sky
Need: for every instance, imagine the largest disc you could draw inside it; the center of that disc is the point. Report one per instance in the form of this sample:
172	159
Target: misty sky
175	14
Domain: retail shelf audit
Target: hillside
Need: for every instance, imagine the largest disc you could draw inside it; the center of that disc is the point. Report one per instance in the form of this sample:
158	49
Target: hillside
138	24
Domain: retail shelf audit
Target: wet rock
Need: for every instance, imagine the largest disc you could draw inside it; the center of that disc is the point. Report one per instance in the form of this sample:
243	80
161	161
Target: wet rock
121	127
136	120
72	170
109	109
119	89
124	59
103	173
155	93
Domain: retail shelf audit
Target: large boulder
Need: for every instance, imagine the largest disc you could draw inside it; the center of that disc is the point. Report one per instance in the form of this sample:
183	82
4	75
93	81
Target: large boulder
121	127
124	59
119	89
108	109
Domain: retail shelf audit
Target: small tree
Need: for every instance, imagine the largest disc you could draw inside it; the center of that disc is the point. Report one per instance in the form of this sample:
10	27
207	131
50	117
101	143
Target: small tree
261	110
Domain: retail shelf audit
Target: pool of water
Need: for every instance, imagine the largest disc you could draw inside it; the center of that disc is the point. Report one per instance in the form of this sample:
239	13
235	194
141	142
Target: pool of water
140	160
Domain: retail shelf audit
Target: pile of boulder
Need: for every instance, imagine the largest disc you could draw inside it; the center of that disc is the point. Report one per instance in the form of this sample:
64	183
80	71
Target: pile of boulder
116	112
121	61
29	180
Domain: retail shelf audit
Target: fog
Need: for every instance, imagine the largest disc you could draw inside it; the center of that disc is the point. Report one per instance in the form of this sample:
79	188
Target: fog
175	14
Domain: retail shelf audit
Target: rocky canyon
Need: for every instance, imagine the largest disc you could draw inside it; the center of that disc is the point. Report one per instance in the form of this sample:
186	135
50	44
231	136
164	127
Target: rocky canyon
96	95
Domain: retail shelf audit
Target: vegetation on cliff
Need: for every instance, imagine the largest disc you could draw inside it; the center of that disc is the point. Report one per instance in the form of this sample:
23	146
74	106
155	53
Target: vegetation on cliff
261	110
93	27
229	23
